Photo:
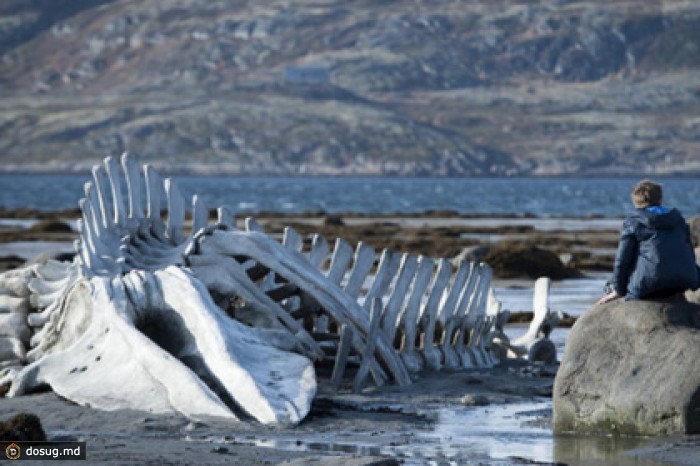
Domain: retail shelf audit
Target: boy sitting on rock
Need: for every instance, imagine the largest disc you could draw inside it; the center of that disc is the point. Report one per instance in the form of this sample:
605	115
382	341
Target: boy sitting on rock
655	257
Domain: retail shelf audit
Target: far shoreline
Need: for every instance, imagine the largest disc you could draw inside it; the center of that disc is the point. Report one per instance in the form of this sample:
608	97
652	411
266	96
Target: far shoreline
34	213
219	172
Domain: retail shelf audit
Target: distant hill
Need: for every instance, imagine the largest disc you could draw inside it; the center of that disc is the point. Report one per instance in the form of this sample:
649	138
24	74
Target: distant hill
397	87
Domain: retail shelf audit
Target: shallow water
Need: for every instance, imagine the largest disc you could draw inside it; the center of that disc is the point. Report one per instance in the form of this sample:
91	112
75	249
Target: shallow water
572	296
522	431
500	434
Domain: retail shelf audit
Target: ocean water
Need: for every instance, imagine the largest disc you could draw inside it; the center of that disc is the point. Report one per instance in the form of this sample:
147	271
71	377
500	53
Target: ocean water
542	197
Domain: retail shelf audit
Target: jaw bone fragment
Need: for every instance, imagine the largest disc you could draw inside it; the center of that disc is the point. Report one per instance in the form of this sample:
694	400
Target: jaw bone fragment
227	322
127	310
534	344
161	332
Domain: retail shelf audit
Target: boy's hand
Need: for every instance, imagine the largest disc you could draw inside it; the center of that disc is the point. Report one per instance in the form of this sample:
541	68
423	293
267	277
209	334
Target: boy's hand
608	297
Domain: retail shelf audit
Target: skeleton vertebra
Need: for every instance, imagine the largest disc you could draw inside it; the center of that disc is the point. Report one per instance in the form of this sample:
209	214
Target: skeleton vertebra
227	322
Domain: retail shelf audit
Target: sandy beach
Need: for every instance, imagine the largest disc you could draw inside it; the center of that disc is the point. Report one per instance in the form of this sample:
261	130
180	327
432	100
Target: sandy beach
477	416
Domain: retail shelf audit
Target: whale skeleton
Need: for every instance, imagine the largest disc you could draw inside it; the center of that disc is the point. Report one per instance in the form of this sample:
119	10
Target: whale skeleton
167	313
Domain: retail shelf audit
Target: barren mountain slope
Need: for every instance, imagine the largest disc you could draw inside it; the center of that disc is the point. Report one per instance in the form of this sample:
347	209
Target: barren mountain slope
481	87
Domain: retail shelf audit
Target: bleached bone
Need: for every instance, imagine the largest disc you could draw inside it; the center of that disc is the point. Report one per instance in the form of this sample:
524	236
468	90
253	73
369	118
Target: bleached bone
362	263
296	269
534	344
12	350
446	316
451	323
476	318
344	348
472	315
493	311
147	298
13	304
115	244
408	324
407	270
319	251
372	338
159	381
430	355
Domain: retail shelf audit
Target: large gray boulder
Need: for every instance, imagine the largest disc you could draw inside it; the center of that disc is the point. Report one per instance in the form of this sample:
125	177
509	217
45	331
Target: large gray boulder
694	225
631	368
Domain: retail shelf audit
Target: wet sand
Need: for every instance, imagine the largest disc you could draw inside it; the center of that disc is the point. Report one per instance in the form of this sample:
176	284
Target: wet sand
485	416
382	423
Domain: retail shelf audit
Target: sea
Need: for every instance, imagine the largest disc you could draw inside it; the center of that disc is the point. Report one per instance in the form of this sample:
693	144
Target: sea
540	197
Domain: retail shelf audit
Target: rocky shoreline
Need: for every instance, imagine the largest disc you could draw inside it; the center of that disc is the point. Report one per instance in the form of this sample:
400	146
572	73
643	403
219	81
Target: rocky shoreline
579	244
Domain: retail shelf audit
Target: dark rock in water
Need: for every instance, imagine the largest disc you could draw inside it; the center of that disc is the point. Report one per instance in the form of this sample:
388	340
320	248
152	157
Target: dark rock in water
472	253
51	226
24	427
333	220
631	368
543	350
511	259
47	256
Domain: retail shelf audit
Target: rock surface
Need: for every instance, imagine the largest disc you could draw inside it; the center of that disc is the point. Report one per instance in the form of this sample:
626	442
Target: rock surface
511	259
631	368
22	428
694	225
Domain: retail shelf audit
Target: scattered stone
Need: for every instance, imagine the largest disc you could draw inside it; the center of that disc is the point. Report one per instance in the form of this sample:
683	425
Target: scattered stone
51	226
472	253
24	427
566	258
633	368
194	425
333	220
539	370
475	400
342	460
471	380
520	317
543	350
384	462
525	317
48	256
567	321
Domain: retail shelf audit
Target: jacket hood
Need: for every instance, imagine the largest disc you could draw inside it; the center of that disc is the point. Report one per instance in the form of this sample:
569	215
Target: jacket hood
658	220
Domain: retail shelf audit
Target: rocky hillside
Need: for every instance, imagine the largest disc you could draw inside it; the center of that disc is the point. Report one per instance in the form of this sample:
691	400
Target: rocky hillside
408	87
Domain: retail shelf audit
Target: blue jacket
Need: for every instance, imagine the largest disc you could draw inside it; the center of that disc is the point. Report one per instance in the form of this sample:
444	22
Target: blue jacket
655	254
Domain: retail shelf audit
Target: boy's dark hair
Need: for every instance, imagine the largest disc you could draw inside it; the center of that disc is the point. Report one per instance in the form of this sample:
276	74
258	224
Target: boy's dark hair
646	193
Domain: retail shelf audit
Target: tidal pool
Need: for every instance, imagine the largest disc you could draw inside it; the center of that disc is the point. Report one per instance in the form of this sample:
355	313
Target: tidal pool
518	433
